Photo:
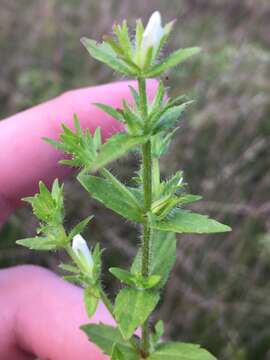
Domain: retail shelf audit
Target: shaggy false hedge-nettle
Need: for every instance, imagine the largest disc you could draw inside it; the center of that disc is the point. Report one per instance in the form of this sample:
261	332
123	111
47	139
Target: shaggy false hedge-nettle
157	204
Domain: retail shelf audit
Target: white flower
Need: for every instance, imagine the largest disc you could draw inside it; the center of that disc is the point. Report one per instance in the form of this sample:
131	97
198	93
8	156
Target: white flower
153	33
83	254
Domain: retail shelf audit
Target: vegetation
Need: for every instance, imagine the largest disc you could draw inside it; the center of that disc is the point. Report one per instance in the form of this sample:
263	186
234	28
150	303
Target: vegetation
223	150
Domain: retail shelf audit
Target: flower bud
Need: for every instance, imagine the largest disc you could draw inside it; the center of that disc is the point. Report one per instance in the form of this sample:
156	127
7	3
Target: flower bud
152	34
83	254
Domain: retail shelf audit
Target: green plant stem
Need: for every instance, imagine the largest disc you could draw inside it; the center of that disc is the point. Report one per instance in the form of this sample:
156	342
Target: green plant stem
155	173
147	191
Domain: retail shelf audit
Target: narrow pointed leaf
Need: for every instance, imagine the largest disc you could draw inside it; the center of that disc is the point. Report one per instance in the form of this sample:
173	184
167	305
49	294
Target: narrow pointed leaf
91	298
123	37
135	96
172	60
188	199
170	117
110	111
157	102
78	229
135	280
184	221
69	268
180	351
124	276
37	243
117	146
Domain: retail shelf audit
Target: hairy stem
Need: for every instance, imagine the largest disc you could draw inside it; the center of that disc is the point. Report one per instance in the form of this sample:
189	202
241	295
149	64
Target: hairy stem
155	174
147	191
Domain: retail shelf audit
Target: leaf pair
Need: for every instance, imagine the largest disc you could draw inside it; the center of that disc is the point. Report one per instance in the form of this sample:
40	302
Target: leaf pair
110	340
121	199
135	280
119	55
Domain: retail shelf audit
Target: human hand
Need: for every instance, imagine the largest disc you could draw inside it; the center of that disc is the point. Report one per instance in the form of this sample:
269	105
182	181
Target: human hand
40	313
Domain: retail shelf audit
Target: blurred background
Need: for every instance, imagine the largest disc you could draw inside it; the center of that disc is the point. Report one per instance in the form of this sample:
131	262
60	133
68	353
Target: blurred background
219	291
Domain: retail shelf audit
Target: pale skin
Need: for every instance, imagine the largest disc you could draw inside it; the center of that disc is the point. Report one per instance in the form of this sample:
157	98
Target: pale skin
40	314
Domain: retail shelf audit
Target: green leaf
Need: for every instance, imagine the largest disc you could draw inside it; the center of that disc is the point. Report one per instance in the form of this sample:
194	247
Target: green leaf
91	298
161	143
180	351
105	337
170	186
69	268
48	206
157	102
132	308
132	119
114	45
111	196
117	353
148	58
157	333
123	37
97	252
188	199
117	146
74	279
184	221
110	111
169	117
159	328
81	145
78	229
124	276
163	256
104	53
136	280
135	96
150	282
38	243
172	60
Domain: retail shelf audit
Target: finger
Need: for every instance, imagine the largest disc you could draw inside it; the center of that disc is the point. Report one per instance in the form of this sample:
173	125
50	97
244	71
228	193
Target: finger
48	313
25	158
